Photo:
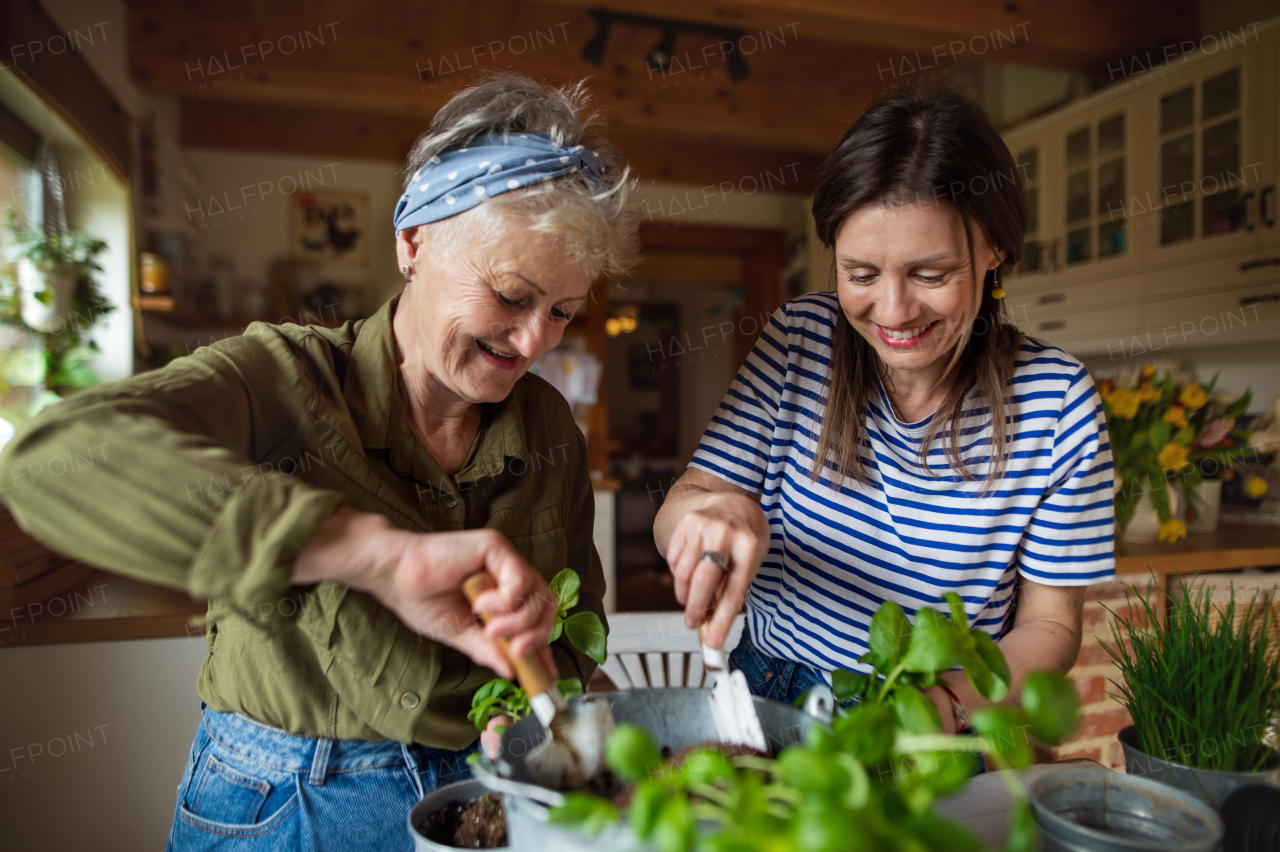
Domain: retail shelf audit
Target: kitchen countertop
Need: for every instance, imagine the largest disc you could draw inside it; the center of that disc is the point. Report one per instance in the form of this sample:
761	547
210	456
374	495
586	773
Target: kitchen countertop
984	805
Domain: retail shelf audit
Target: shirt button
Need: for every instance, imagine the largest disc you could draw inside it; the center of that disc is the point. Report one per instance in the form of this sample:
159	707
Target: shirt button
449	501
410	700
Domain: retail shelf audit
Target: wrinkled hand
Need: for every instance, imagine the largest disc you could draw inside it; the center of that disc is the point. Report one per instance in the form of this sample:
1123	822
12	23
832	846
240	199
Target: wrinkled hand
491	740
418	576
735	526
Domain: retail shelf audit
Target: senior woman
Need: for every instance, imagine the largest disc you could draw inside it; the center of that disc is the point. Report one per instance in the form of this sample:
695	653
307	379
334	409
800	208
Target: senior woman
327	490
855	458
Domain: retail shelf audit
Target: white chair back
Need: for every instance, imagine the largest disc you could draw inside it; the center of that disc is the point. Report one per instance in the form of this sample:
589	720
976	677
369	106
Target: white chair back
655	649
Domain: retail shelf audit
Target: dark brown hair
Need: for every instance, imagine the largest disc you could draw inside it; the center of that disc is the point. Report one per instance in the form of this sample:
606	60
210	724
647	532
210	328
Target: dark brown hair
936	147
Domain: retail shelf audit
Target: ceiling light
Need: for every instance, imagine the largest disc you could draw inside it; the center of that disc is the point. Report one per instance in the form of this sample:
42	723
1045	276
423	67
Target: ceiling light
593	52
663	52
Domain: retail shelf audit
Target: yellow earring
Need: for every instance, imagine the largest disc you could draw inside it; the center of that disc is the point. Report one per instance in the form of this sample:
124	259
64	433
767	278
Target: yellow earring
998	292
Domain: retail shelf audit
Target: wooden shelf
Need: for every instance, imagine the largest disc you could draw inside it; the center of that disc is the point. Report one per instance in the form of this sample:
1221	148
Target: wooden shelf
180	314
105	607
1228	548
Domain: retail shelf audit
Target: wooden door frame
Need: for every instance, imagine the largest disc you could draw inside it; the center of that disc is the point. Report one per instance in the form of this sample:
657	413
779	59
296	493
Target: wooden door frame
761	251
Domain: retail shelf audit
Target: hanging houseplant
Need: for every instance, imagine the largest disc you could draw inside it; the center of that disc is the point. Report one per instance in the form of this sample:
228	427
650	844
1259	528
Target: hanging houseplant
57	297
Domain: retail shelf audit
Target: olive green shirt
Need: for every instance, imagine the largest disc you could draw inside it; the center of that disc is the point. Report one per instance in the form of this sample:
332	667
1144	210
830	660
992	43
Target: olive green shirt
213	473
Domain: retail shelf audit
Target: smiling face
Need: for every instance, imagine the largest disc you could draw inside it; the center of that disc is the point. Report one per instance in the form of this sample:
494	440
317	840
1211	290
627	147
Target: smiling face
905	283
473	319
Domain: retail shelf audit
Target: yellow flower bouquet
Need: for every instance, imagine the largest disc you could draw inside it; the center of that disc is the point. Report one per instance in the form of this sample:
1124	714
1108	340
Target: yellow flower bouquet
1163	436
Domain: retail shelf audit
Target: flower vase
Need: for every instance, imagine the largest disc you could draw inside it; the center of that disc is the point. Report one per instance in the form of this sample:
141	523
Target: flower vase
1144	526
1206	504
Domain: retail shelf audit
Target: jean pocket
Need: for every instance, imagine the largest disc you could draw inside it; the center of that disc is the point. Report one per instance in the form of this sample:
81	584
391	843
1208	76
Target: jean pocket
222	799
755	667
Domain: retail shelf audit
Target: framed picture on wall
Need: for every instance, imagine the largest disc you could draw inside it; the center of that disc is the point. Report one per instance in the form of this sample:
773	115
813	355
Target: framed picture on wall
331	229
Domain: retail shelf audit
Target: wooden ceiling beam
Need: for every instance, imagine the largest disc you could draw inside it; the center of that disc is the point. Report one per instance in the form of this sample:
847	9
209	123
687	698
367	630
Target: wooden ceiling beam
1077	35
226	125
415	72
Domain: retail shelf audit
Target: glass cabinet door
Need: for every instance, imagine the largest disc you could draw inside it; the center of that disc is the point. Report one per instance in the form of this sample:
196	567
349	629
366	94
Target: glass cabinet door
1034	256
1202	175
1096	180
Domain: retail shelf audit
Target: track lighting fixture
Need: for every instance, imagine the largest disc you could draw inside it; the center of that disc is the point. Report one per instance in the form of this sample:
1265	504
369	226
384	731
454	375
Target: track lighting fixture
663	55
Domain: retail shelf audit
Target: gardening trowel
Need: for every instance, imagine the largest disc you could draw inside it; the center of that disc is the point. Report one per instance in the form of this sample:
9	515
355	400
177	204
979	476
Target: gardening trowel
732	708
573	750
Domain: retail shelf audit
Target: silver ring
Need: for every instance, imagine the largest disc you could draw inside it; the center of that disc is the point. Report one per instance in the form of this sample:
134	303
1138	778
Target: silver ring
721	561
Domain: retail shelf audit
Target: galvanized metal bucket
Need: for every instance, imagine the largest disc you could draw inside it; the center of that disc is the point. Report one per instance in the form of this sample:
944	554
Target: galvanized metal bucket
675	717
458	791
1212	787
1097	810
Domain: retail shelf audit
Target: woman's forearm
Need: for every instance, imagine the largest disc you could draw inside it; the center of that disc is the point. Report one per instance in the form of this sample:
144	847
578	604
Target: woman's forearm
1033	645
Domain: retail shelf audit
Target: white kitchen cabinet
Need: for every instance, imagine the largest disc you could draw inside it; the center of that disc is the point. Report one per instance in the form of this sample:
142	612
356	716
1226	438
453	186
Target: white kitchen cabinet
1154	200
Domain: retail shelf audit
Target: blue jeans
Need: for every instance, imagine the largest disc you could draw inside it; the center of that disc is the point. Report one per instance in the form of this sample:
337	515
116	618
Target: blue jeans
785	681
250	787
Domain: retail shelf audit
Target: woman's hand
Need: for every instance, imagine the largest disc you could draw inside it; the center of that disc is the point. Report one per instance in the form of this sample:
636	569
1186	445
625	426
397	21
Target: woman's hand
725	520
942	701
491	740
418	576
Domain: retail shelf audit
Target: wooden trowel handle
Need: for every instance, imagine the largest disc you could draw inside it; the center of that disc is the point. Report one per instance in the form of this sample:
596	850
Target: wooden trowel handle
531	673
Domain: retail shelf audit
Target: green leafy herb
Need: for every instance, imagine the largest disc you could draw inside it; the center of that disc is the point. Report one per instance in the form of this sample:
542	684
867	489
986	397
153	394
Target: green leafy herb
584	631
871	780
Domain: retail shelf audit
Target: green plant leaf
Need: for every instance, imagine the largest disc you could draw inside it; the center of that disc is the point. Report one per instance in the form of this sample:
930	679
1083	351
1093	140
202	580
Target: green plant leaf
1160	433
934	645
959	618
1005	728
1185	436
979	673
586	633
820	826
565	587
631	753
673	830
940	835
1052	706
646	804
705	765
915	712
890	636
808	771
991	654
846	684
866	732
569	687
589	812
1023	832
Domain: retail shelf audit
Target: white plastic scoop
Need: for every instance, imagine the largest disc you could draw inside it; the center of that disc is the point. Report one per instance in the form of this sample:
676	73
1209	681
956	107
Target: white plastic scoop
732	708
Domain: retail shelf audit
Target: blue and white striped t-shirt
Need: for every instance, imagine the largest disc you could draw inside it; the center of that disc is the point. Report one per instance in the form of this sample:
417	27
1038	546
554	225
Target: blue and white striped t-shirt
910	535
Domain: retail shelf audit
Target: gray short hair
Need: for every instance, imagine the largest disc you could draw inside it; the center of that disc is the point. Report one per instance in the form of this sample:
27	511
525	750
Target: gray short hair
600	228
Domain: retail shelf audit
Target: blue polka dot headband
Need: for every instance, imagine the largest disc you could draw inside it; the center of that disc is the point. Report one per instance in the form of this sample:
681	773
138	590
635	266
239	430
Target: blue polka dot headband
458	179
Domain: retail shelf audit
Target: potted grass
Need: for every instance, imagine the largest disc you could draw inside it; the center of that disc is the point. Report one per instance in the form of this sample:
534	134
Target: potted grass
1203	687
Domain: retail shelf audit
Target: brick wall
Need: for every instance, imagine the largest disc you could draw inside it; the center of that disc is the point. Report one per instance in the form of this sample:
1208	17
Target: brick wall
1095	675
